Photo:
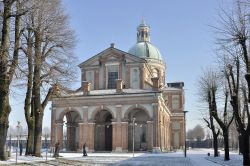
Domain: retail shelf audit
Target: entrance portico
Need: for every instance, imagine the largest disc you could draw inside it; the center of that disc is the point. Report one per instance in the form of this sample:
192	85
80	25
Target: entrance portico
105	128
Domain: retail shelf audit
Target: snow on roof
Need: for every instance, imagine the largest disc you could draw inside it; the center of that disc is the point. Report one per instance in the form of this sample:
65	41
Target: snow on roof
110	92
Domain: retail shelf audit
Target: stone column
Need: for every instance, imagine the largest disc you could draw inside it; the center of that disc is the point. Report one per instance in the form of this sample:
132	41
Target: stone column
128	77
120	71
124	136
115	137
150	135
156	145
142	78
81	138
83	127
59	133
160	77
120	136
105	79
90	136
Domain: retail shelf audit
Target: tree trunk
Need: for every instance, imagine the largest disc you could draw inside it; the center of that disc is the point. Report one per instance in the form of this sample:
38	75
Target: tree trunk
30	141
226	145
38	111
4	118
215	141
29	101
246	152
3	133
38	134
4	78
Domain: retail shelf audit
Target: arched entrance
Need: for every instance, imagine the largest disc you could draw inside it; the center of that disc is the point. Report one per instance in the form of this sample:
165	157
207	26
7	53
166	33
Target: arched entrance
140	130
71	131
103	131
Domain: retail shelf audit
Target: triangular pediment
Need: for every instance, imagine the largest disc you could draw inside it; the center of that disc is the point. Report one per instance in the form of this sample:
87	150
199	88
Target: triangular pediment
111	55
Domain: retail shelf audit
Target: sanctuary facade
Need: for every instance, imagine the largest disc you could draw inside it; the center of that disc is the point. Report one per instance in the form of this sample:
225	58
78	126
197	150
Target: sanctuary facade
124	102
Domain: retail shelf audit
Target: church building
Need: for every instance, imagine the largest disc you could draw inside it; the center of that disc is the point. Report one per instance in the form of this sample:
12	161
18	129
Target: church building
124	103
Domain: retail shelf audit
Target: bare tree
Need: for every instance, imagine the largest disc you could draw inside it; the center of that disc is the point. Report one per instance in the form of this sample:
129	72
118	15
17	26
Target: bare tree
29	102
49	42
234	41
225	120
210	84
12	12
207	86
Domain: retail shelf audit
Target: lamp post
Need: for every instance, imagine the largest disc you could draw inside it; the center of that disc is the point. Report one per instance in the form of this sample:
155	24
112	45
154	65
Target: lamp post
185	142
133	137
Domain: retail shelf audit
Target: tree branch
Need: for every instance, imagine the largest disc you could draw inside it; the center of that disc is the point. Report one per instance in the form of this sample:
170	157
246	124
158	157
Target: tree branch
46	100
208	124
17	44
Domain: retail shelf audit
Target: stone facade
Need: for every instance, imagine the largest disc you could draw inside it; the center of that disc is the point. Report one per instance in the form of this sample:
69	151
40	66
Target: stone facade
123	101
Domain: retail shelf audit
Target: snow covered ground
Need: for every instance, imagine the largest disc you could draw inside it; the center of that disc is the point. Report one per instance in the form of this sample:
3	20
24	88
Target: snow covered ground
26	159
195	157
235	159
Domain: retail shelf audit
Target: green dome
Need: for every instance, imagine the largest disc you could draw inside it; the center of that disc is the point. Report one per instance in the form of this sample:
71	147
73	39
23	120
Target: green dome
145	50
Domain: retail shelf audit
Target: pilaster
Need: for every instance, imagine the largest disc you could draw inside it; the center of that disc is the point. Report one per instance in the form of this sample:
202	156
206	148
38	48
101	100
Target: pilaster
142	80
156	140
120	136
59	133
81	137
90	136
150	135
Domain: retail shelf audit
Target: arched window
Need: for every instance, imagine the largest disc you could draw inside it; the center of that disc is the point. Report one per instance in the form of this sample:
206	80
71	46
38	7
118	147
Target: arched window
142	34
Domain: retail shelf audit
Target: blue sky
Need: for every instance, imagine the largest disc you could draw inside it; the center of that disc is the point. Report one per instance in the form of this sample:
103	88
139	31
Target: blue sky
179	28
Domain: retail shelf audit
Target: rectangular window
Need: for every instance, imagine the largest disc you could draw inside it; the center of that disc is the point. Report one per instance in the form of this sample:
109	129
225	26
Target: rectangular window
175	102
112	77
134	78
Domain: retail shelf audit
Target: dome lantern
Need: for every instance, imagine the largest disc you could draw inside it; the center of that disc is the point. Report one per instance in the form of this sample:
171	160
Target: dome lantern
143	32
144	48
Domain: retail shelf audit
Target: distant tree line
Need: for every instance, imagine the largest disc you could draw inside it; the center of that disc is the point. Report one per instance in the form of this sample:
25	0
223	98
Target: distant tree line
198	138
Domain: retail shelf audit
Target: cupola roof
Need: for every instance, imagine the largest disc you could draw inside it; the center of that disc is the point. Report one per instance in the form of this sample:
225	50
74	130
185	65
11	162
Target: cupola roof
144	48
